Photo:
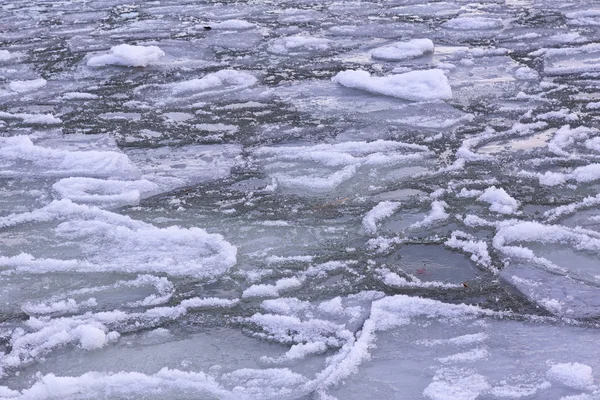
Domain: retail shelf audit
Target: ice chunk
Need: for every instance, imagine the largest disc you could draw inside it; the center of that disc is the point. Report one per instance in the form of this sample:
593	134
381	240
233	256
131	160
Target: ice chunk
438	213
129	56
111	242
27	86
324	167
573	375
379	212
264	290
573	60
469	244
526	74
415	85
403	50
298	44
104	192
217	82
79	96
233	24
21	157
5	55
467	387
500	201
34	119
473	23
585	17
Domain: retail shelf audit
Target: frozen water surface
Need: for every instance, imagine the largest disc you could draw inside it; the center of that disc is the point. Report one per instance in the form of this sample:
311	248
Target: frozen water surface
299	200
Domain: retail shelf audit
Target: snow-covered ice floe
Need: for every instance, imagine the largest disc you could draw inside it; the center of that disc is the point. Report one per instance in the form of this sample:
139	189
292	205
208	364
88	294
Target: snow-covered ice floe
403	50
300	200
128	56
424	85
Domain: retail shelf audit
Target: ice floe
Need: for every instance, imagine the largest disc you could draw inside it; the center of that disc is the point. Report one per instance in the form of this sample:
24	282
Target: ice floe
403	50
415	85
128	56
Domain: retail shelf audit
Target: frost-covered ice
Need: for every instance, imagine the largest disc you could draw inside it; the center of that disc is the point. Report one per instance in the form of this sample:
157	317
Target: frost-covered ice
27	86
299	200
415	85
473	22
298	44
403	50
128	56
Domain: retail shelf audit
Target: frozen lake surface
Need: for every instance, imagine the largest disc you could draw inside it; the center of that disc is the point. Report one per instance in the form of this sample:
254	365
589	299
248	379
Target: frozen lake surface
316	200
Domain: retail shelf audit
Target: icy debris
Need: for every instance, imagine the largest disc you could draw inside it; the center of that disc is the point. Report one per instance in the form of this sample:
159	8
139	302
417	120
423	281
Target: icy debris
466	193
424	85
561	295
526	74
438	213
566	137
392	279
285	259
285	306
21	157
265	290
324	167
403	50
467	356
141	247
379	212
68	305
297	352
469	244
587	17
473	23
570	60
456	386
232	24
171	167
560	211
5	55
105	193
563	114
79	96
128	56
27	86
517	391
587	173
298	44
34	119
463	340
500	201
516	231
216	82
573	375
103	385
